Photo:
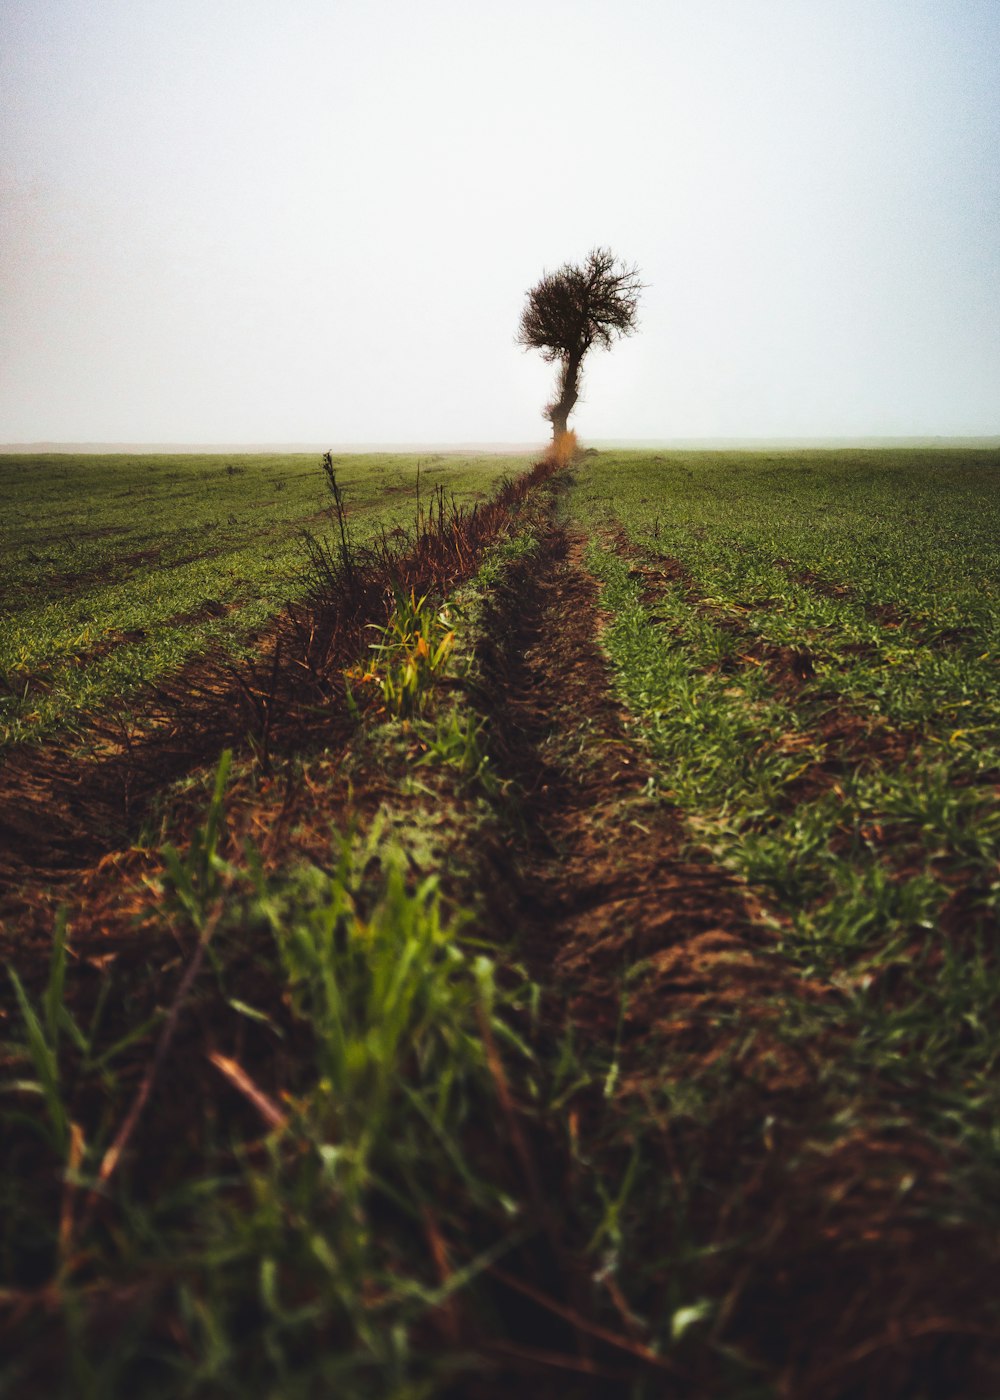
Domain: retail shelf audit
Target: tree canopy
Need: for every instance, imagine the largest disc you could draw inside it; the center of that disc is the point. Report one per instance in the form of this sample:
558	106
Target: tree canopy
574	308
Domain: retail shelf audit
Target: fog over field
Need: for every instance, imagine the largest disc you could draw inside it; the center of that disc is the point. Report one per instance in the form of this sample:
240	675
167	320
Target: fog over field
245	223
699	444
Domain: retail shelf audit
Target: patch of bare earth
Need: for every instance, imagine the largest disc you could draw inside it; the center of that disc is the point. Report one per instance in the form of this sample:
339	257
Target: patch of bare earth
78	800
604	876
68	803
818	1244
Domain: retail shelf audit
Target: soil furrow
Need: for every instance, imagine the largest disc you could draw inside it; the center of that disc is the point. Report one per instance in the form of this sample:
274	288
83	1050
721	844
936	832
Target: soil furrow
850	738
82	796
668	964
604	873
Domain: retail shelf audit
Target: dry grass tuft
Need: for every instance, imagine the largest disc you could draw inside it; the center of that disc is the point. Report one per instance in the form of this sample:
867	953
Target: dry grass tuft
564	450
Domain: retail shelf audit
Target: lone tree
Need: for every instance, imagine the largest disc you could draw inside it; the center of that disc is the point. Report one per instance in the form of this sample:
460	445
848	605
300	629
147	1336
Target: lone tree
573	309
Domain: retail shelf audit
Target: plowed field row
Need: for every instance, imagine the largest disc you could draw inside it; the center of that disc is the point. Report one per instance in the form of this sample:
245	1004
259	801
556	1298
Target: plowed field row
561	956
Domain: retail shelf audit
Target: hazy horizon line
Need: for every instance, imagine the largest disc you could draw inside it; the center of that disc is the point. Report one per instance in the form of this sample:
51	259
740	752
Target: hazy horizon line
111	448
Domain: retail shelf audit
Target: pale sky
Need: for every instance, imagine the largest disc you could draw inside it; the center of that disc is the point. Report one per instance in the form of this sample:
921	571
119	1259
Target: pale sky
316	220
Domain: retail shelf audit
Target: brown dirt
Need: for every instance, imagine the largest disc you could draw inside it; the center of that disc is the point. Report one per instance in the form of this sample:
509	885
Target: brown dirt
843	1288
810	579
204	612
67	804
606	878
112	570
891	616
850	739
846	1287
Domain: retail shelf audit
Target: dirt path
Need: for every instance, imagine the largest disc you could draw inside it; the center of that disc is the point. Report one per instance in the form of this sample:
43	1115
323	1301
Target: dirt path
605	876
824	1272
75	800
746	1192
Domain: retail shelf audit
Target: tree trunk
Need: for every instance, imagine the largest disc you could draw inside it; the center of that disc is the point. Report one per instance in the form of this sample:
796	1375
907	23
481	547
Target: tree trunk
569	392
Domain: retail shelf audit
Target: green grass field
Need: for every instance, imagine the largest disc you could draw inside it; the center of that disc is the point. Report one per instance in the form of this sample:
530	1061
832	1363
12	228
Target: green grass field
820	683
115	570
608	1004
808	646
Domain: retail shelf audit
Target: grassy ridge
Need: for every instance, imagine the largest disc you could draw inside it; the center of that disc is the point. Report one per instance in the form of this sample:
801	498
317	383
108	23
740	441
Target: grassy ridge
894	523
116	569
884	565
291	1233
858	793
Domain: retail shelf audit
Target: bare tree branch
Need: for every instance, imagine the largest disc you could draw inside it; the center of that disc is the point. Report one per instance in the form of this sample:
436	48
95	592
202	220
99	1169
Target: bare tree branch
571	310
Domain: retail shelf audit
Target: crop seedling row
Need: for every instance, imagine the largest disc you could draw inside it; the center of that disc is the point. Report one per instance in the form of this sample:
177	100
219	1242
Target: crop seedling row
563	958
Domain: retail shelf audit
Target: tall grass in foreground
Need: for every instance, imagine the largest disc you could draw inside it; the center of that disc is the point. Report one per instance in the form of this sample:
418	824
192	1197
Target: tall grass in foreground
300	1233
312	1251
564	450
363	1205
413	649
